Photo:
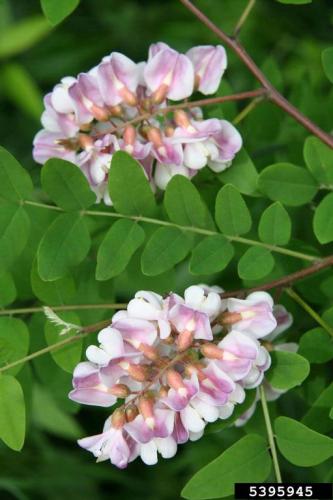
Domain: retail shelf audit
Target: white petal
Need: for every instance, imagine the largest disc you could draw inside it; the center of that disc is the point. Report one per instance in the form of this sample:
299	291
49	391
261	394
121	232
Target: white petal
148	453
166	446
97	355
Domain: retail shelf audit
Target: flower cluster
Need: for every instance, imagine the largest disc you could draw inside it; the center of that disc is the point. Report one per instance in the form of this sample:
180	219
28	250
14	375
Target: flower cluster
122	105
175	363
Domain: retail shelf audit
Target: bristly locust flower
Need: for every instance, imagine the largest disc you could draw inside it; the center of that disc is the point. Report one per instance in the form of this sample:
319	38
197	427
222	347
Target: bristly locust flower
88	118
174	364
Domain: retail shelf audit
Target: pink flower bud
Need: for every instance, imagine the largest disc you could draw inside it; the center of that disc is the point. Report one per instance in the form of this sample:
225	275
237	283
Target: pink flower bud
174	379
118	418
131	412
211	351
184	340
120	390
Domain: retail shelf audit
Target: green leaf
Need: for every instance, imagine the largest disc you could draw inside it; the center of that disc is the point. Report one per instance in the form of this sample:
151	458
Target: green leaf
316	346
21	89
318	417
129	188
300	445
12	414
231	213
243	174
288	370
8	291
287	183
295	2
14	342
14	233
65	244
68	356
183	203
319	160
255	263
57	10
53	293
211	255
275	225
327	60
66	185
166	247
117	248
22	35
247	460
15	182
323	220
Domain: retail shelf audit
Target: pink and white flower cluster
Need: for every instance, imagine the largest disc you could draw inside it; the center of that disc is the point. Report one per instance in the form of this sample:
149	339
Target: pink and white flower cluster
176	363
88	118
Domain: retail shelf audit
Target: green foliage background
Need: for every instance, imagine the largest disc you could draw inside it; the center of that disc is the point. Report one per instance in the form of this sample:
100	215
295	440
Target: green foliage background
287	42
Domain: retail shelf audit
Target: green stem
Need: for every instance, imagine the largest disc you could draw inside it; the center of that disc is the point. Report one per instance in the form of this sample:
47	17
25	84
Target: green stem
309	310
270	435
244	17
197	230
245	111
71	307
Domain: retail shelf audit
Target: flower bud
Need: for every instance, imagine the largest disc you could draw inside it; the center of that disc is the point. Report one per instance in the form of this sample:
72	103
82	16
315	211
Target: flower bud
118	418
141	373
129	134
229	318
211	351
131	412
120	390
150	352
99	113
155	136
181	118
184	340
174	379
85	141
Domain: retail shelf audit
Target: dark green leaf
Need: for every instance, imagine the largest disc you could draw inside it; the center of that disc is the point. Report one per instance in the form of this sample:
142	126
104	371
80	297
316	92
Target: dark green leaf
275	225
316	346
300	445
66	185
14	233
166	247
22	35
12	414
317	417
129	188
65	244
211	255
8	291
319	160
255	263
327	59
117	248
288	184
15	182
183	203
231	213
53	293
14	342
323	220
57	10
288	370
242	175
247	460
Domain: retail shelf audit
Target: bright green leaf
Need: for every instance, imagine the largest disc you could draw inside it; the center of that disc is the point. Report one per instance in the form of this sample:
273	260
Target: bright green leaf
8	290
166	247
231	213
323	220
288	184
15	182
288	370
247	460
65	244
121	241
14	342
316	346
57	10
68	356
243	174
275	225
211	255
183	203
66	185
255	263
319	160
327	60
300	445
12	414
14	233
53	293
22	35
129	188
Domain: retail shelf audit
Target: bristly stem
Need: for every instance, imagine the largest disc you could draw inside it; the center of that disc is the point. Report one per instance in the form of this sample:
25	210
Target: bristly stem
192	229
270	435
272	93
309	310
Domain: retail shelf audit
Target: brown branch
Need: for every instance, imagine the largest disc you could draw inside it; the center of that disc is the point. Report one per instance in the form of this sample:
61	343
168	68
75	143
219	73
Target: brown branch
272	92
285	280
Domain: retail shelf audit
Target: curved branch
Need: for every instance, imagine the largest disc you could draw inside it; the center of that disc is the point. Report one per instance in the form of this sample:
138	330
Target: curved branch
272	93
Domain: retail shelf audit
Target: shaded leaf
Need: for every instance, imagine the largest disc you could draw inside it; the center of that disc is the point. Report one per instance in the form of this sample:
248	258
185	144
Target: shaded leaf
243	174
275	225
231	213
14	233
319	160
288	370
327	60
12	414
211	255
316	346
14	342
323	220
255	263
15	182
57	10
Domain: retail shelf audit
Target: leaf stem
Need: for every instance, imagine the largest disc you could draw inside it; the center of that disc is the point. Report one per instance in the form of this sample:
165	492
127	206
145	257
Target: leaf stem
246	12
272	93
197	230
270	435
69	307
297	298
